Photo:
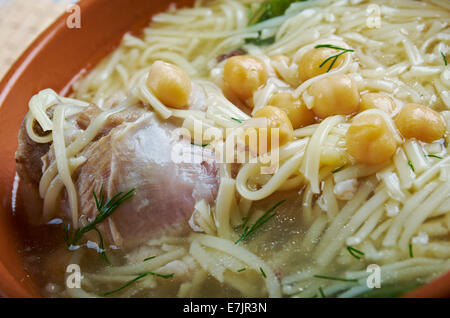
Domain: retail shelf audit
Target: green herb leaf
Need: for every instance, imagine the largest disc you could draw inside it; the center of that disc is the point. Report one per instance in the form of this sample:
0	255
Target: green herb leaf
336	278
411	166
338	169
238	120
354	252
249	230
444	58
332	58
433	156
241	270
269	9
322	293
140	276
194	144
104	211
411	255
262	272
149	258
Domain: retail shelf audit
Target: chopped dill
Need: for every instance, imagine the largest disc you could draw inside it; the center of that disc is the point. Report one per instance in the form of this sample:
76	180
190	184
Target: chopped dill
203	146
322	293
262	272
336	278
140	276
411	166
241	270
249	230
444	58
332	58
354	252
149	258
238	120
433	156
411	255
104	211
338	169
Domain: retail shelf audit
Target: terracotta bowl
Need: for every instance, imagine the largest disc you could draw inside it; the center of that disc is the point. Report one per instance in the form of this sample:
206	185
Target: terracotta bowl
55	60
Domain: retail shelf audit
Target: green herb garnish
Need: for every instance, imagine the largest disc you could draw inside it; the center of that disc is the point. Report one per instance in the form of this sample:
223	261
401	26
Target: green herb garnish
336	278
249	230
444	58
411	166
134	280
267	10
411	255
332	58
338	169
238	120
241	270
433	156
149	258
322	293
262	272
104	211
203	146
354	252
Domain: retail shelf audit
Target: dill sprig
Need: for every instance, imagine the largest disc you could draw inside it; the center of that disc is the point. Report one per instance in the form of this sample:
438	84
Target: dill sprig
433	156
203	146
238	120
149	258
411	255
336	278
249	230
411	166
354	252
322	293
332	58
262	272
241	270
140	276
338	169
444	58
105	210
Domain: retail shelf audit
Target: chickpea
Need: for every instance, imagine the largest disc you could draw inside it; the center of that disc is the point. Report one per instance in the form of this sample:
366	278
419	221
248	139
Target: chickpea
276	118
420	122
334	95
244	75
369	139
170	84
309	63
379	101
297	112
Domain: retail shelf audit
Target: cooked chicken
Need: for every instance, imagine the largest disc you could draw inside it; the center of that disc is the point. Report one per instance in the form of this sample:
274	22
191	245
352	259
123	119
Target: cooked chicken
134	151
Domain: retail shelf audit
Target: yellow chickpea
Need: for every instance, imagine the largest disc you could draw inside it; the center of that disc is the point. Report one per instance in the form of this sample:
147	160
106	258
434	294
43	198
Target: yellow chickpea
420	122
369	139
309	63
276	118
243	75
170	84
297	112
378	101
334	95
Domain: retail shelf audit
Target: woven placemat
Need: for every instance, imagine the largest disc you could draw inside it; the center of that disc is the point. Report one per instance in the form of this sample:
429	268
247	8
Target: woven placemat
21	21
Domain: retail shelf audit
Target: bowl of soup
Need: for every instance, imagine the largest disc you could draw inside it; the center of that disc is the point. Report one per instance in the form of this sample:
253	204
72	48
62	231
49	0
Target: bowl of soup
229	149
